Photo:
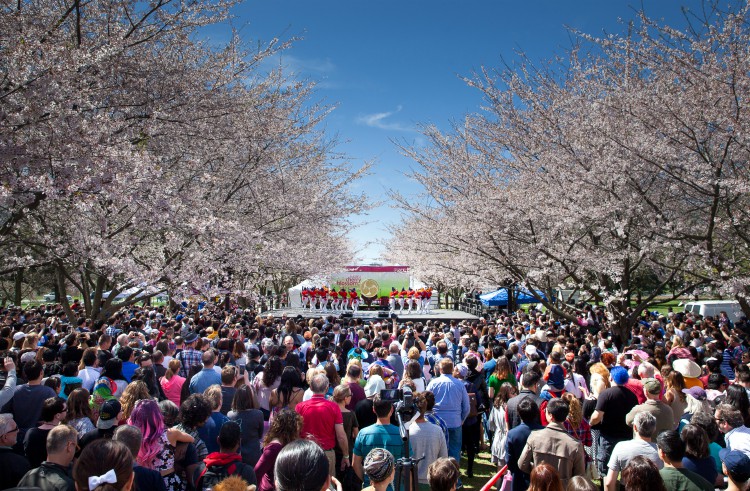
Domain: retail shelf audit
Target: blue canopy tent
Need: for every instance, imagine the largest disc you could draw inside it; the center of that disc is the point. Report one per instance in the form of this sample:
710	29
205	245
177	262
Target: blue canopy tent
499	298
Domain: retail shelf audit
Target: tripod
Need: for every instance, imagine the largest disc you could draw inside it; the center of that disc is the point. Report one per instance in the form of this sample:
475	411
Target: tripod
406	467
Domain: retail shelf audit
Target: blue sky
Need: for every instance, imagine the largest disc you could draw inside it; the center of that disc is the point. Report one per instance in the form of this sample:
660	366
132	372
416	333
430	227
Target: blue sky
391	65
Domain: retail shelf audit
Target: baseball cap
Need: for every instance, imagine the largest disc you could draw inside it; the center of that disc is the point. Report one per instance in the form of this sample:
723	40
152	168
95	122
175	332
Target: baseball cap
108	414
463	370
738	464
19	335
696	392
652	386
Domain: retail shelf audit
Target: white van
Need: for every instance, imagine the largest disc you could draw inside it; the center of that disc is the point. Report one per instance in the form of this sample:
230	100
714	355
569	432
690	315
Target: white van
712	308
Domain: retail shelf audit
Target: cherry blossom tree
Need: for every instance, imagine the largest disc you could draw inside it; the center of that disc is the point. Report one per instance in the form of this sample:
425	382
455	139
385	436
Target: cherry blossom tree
592	170
138	158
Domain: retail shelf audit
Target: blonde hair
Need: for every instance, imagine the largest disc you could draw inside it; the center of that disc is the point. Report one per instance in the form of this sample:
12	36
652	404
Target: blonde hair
134	392
213	394
341	392
173	368
413	353
575	415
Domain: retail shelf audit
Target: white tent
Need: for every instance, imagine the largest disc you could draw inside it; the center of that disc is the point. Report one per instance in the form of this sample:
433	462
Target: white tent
295	298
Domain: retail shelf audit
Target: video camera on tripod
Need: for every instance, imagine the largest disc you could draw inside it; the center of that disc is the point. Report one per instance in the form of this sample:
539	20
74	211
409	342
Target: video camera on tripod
407	477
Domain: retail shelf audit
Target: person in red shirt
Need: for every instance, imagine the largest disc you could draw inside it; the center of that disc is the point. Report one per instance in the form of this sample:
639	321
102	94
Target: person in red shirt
304	297
323	423
355	299
428	298
392	300
402	300
324	299
334	299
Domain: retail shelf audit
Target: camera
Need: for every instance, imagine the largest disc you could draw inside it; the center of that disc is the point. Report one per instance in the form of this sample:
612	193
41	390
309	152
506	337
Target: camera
403	399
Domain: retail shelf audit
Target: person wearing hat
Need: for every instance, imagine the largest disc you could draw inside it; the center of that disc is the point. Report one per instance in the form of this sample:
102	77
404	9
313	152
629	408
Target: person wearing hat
654	405
612	406
555	387
736	466
380	468
189	357
109	415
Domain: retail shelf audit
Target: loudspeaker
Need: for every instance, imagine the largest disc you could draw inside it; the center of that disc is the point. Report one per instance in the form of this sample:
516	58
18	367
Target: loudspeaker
382	314
347	315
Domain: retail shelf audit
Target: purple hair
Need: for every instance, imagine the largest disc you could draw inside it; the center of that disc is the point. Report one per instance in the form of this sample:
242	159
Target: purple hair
147	417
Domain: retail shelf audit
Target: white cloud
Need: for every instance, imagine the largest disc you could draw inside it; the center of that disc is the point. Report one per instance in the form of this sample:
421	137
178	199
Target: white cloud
378	120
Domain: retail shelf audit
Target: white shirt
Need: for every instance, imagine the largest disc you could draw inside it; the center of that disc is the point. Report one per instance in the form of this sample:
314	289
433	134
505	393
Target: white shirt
738	439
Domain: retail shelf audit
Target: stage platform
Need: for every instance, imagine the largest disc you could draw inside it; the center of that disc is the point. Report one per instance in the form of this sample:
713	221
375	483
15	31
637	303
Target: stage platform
435	315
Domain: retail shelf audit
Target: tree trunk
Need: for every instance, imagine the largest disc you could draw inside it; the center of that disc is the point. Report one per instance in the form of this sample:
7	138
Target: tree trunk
17	287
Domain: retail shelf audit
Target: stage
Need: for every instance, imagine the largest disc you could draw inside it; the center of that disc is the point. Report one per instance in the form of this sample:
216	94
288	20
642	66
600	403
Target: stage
444	315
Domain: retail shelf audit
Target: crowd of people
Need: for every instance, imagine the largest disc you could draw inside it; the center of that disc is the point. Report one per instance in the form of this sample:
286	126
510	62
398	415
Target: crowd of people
222	398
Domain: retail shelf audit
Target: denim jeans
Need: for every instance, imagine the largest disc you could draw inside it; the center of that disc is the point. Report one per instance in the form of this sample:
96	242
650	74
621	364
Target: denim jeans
454	446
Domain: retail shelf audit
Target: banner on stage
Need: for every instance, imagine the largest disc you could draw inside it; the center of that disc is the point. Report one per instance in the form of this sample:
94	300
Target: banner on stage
371	281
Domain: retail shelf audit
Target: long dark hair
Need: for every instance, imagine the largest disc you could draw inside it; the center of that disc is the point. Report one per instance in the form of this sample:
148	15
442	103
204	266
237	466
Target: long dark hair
737	398
113	369
272	371
641	474
290	380
301	466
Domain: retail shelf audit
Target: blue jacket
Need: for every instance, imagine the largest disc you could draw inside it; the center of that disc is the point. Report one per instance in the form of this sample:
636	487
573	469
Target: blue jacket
514	445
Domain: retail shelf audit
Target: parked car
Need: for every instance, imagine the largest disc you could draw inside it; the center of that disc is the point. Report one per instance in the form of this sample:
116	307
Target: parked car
50	297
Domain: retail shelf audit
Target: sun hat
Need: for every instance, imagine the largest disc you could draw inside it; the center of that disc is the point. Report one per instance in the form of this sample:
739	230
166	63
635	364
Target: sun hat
688	368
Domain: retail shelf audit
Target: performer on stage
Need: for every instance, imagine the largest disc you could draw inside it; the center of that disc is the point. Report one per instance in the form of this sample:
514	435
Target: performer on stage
318	293
342	300
355	299
418	299
409	300
333	294
427	300
401	300
305	294
392	300
324	299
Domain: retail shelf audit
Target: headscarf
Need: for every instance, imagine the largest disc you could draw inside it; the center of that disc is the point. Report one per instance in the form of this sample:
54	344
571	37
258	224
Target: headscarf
379	464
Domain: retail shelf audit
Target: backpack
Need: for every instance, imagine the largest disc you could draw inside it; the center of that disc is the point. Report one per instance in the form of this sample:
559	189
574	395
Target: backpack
214	474
473	412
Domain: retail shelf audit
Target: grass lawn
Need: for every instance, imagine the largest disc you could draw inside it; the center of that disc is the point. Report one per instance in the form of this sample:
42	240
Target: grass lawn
483	471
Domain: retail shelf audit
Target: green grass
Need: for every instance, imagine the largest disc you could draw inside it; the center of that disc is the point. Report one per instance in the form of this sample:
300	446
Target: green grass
483	471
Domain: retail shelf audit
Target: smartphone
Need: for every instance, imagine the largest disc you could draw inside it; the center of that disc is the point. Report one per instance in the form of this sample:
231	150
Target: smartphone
628	356
242	370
